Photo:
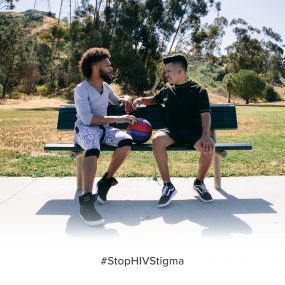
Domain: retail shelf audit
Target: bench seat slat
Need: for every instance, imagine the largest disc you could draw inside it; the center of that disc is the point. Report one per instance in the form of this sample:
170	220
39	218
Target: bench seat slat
147	147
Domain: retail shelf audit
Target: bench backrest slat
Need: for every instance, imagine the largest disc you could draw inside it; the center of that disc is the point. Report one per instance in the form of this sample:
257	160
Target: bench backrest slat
223	116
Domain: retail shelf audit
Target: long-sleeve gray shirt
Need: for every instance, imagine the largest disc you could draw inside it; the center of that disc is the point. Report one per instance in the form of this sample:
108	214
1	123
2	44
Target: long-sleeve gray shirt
89	102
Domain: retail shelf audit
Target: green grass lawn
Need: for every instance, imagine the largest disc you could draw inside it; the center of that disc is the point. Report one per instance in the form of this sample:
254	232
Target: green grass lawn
24	133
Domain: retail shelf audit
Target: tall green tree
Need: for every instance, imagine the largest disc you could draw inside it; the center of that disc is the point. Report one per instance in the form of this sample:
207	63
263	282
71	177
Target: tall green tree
51	52
248	85
247	51
138	33
228	80
274	67
15	53
259	50
186	16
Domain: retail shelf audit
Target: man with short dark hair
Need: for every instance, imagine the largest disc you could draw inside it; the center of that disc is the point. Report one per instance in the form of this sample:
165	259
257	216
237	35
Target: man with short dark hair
92	97
188	122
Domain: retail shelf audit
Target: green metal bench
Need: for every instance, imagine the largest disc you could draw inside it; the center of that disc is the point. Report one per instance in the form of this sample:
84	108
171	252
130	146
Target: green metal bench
223	118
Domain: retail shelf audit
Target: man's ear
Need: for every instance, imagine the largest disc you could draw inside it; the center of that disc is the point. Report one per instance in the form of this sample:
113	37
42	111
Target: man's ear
95	66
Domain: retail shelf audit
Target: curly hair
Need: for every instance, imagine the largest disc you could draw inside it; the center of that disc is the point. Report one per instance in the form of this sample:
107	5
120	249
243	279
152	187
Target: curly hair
91	56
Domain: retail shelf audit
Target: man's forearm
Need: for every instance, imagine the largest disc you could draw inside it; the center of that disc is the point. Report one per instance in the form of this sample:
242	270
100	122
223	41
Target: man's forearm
206	123
97	121
147	101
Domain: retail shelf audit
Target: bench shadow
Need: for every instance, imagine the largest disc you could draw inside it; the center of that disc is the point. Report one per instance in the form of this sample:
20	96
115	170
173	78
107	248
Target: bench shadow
38	109
217	219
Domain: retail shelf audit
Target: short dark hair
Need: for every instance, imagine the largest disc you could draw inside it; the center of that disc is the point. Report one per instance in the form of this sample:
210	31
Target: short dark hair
91	56
176	58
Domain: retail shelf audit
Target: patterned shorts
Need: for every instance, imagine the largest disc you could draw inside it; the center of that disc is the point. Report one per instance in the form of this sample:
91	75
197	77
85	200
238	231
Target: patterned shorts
91	137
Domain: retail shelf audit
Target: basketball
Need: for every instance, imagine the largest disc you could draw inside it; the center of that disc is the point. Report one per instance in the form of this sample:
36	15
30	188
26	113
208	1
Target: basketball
140	131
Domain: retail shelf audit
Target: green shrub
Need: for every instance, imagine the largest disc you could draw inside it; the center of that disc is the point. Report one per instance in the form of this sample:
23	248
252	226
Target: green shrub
15	95
248	85
42	89
270	95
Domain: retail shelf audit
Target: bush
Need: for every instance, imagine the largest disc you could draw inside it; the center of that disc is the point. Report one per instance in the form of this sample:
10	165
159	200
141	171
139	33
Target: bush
270	95
15	95
248	85
42	89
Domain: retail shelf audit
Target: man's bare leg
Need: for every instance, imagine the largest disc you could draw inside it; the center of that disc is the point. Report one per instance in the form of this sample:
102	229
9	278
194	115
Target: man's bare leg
89	166
159	144
118	157
205	162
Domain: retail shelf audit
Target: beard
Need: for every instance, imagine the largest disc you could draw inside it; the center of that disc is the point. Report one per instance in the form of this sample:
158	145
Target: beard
106	77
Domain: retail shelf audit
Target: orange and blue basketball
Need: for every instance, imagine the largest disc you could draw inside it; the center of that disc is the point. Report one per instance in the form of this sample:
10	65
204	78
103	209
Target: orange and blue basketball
140	131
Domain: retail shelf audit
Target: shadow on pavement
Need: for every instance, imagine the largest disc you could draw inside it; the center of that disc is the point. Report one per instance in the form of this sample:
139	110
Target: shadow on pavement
217	219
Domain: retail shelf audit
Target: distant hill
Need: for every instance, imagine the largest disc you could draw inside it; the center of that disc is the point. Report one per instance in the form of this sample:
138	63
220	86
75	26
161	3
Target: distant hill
35	21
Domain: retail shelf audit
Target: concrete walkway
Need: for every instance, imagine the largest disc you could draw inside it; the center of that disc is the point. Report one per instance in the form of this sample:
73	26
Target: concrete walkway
237	239
247	206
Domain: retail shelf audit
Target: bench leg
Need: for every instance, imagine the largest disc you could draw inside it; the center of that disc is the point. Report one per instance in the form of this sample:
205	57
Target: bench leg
217	164
217	172
79	177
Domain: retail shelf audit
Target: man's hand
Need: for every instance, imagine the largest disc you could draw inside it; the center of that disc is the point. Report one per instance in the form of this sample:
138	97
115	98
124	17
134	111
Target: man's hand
127	103
130	119
205	144
137	102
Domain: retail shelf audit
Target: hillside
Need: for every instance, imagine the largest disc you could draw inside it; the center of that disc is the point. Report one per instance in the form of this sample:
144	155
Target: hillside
34	22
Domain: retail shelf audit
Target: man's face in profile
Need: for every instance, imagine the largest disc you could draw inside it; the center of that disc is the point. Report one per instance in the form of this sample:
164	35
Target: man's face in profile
173	73
105	70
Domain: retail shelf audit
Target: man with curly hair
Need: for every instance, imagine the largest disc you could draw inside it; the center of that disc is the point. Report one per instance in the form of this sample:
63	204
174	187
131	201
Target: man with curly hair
92	129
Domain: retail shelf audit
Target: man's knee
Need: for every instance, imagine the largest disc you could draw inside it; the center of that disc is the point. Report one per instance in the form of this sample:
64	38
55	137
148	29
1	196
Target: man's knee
161	140
158	141
92	152
125	143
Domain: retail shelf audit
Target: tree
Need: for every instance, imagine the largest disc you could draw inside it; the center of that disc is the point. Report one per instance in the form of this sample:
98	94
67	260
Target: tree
264	56
248	85
274	66
51	52
205	41
186	16
247	52
138	32
15	53
228	80
7	4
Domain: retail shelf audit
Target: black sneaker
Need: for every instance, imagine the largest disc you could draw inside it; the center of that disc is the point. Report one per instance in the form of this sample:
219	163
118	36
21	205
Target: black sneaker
88	213
168	192
203	193
103	187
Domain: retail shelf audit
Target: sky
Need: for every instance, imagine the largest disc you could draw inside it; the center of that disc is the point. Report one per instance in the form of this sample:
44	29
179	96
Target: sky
258	13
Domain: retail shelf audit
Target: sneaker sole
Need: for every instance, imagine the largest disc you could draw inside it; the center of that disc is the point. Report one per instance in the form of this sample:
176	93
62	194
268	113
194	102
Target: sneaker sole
169	201
92	223
100	200
206	201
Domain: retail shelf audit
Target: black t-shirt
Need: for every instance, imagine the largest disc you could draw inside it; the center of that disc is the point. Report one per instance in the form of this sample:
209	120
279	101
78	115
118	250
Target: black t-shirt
183	104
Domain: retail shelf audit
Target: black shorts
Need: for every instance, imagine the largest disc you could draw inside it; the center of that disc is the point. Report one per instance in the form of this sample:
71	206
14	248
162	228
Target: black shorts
185	136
